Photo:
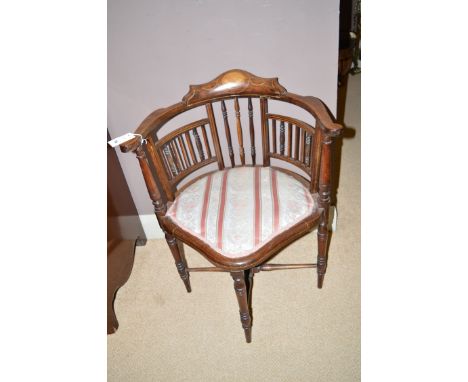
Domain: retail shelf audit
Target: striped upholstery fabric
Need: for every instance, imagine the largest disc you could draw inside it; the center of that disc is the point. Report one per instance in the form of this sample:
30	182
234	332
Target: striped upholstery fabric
238	210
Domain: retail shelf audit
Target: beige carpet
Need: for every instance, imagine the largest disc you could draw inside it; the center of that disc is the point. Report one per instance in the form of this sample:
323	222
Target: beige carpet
300	333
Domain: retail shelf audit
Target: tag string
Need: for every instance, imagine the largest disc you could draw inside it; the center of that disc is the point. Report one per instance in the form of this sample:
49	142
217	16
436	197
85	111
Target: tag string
142	140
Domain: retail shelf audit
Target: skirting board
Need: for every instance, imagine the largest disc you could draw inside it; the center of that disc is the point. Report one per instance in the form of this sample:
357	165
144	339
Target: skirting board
151	227
153	231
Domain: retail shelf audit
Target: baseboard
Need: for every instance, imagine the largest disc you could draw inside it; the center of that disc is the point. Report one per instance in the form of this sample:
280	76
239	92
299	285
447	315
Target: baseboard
153	231
151	227
333	217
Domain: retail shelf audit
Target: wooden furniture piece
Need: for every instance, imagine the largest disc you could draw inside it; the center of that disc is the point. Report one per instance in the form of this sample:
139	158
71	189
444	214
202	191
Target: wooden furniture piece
124	232
244	211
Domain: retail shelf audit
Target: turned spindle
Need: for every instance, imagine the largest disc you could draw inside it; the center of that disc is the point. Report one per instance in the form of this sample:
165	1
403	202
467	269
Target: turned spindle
170	160
252	131
214	135
297	131
239	131
184	151
191	149
282	138
227	131
205	140
265	131
308	141
273	134
198	143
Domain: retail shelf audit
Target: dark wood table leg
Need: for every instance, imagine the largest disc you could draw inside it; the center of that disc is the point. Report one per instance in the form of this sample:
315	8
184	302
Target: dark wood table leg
119	267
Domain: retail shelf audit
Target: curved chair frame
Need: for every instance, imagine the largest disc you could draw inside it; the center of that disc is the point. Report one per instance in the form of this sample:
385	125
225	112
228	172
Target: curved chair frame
166	161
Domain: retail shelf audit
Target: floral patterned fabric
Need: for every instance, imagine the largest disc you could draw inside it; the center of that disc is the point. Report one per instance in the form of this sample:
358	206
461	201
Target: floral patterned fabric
238	210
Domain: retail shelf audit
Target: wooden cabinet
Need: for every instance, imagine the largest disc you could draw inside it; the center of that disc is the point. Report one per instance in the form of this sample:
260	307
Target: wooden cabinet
124	232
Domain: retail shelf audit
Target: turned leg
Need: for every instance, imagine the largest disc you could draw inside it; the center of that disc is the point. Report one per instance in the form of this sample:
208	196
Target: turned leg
324	203
242	297
322	258
249	283
177	252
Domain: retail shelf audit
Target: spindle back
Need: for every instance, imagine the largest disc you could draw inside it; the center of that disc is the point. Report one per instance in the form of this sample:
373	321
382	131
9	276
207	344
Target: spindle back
170	158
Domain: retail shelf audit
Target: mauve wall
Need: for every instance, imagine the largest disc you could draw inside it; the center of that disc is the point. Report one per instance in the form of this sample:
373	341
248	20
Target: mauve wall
157	48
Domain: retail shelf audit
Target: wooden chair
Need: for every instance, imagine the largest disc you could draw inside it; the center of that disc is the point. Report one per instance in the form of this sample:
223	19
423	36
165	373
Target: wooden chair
239	214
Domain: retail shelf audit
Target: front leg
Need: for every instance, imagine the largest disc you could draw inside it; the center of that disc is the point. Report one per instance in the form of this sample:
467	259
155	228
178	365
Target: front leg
324	203
175	248
322	238
242	297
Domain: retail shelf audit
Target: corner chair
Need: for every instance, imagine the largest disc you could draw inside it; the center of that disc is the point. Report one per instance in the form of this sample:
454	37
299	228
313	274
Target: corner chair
244	211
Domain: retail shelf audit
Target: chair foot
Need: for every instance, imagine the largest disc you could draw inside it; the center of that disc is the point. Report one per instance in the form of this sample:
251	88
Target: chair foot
320	281
248	335
184	275
177	252
242	294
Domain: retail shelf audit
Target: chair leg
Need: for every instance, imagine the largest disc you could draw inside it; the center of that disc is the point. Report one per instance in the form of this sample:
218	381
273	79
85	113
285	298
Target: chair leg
177	252
322	257
242	294
249	282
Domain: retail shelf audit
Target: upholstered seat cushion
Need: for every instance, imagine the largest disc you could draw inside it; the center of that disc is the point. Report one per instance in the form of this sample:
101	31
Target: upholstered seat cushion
238	210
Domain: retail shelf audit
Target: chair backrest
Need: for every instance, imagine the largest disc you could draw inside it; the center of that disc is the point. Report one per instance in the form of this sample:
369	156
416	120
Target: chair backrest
168	159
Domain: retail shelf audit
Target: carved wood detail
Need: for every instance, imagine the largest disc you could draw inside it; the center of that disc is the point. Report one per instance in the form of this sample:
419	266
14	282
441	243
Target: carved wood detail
233	82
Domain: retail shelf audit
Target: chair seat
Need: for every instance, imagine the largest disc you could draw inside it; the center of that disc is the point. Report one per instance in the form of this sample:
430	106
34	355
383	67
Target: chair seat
237	211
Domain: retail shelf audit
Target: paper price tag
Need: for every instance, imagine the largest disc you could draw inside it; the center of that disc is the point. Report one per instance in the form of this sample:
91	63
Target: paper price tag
123	138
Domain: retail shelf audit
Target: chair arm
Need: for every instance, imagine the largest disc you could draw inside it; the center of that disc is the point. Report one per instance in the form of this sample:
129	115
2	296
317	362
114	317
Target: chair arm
156	119
319	110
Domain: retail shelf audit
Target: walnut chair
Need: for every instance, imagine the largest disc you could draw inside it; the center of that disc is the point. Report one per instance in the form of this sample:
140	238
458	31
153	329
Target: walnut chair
245	210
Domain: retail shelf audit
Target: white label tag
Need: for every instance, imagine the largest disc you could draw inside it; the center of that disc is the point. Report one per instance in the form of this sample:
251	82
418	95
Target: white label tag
123	138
